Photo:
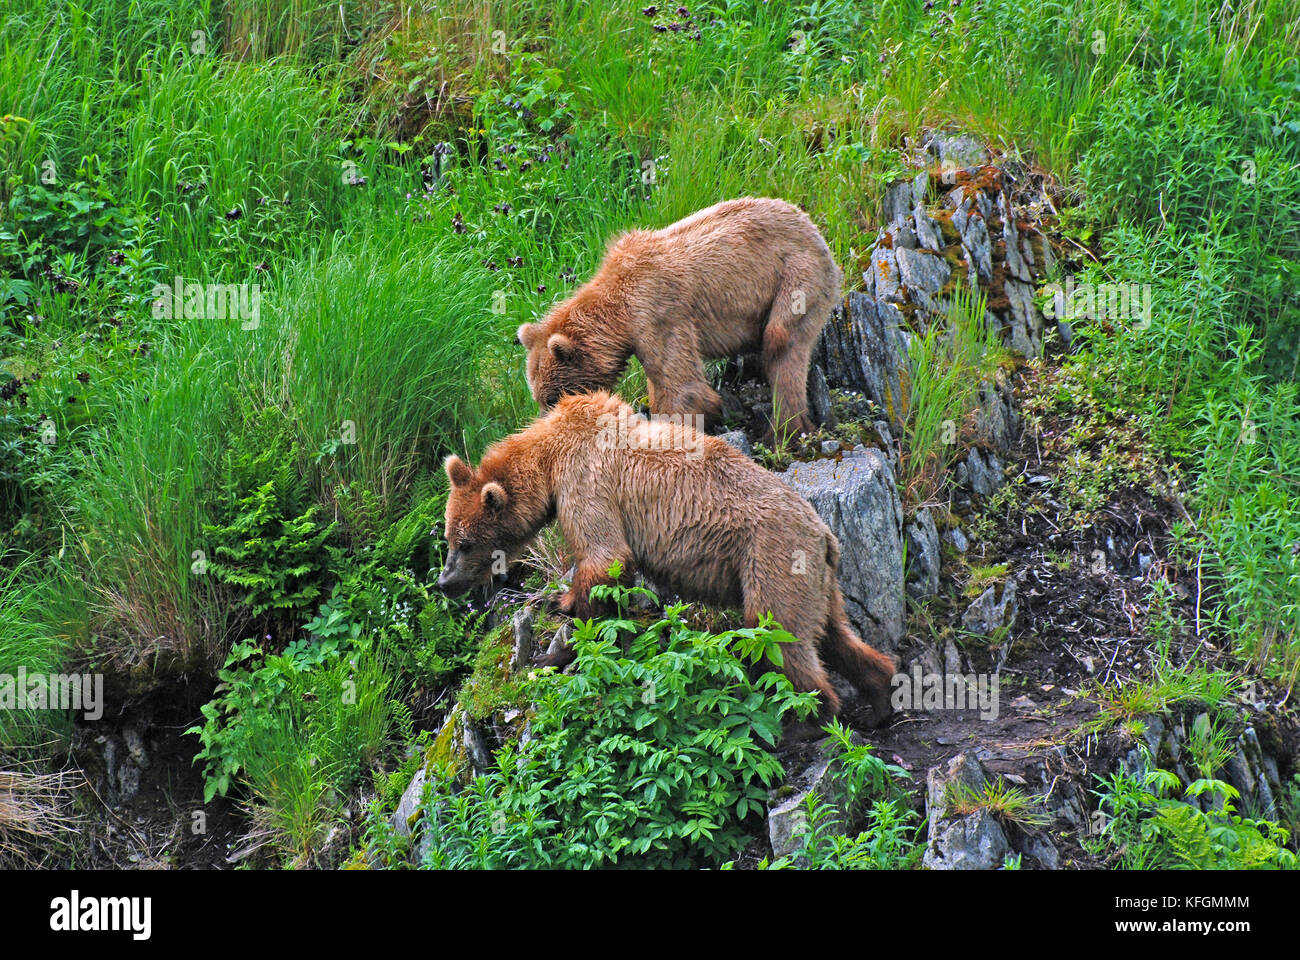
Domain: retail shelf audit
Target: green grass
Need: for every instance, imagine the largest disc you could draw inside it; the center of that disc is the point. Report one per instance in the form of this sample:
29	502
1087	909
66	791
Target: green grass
137	501
378	347
35	637
946	366
388	310
1008	803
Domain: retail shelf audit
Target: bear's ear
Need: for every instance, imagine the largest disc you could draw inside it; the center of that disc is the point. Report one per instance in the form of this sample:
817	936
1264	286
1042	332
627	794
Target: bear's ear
526	334
494	496
561	347
457	472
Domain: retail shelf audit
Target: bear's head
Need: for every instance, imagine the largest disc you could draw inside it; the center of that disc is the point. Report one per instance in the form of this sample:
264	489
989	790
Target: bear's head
562	361
480	529
492	514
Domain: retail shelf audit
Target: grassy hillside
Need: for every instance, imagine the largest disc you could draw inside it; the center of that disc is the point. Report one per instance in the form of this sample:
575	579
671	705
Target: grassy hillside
405	189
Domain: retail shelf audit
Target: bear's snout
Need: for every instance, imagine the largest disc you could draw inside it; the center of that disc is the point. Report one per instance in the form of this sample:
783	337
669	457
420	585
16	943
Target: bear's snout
452	581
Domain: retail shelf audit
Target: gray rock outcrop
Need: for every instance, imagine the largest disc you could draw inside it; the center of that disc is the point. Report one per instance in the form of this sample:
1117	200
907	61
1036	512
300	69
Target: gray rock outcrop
858	500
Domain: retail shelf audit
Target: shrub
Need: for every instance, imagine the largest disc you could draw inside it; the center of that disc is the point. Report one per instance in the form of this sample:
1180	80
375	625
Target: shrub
869	794
1150	828
653	753
300	728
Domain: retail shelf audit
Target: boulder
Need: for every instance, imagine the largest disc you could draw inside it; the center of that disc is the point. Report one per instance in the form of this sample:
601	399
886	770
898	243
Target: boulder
1024	319
522	627
997	418
902	236
899	198
924	274
976	247
865	347
786	820
408	808
982	472
956	151
885	275
819	397
973	841
858	499
886	437
958	539
1016	265
927	231
738	440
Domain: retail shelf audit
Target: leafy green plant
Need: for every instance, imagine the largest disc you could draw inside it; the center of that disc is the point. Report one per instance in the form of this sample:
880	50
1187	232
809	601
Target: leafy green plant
274	560
299	729
267	543
869	794
1150	827
1211	745
49	231
480	174
652	755
387	587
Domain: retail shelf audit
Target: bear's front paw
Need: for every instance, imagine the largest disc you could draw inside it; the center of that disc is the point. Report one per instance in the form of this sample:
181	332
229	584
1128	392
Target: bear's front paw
564	603
559	654
574	604
800	732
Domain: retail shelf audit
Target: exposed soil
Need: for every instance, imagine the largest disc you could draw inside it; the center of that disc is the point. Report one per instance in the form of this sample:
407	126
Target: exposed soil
145	792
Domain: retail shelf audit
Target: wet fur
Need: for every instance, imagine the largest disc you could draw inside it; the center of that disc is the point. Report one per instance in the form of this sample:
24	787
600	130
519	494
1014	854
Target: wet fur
722	282
716	528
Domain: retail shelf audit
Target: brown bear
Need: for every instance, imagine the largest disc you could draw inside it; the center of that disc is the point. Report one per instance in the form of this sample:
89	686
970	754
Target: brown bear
752	274
687	510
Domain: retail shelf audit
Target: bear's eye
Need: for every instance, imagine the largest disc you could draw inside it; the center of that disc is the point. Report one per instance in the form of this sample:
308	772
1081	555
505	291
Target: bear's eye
467	546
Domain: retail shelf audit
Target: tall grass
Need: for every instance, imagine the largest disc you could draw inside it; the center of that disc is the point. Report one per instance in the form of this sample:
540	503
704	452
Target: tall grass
206	142
70	69
946	364
38	626
1192	151
376	343
138	502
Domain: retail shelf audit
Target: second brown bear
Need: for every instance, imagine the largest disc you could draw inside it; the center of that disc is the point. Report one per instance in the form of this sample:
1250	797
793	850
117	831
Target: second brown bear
752	274
693	514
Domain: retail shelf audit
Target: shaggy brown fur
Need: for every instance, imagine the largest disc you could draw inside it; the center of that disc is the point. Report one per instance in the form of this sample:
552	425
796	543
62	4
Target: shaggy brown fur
752	274
691	513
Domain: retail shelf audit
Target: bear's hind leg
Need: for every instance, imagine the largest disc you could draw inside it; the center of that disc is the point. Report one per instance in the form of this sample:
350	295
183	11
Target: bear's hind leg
869	670
785	364
805	671
809	287
800	662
